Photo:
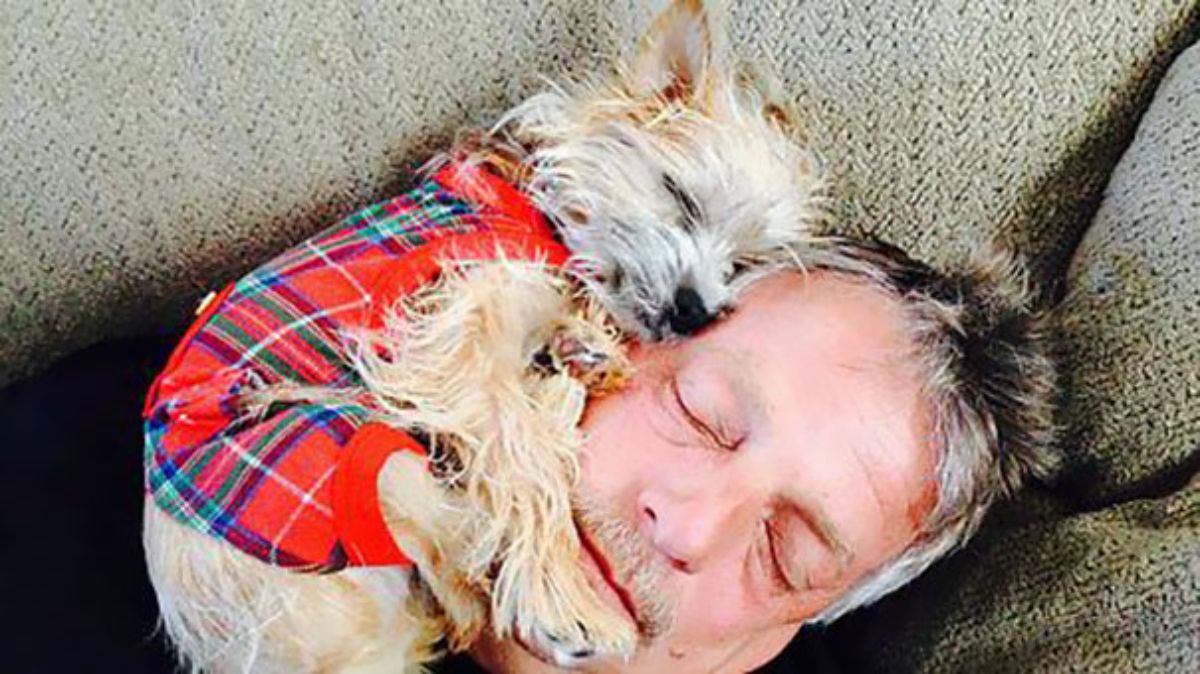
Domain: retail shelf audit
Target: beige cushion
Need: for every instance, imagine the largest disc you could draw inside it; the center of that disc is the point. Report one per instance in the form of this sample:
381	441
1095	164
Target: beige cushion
1132	313
153	151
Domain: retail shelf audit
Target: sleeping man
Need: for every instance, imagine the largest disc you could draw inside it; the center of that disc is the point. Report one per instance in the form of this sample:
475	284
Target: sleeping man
822	446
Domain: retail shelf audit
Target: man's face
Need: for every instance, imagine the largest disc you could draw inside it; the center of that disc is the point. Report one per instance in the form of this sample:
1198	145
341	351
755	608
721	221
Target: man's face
749	475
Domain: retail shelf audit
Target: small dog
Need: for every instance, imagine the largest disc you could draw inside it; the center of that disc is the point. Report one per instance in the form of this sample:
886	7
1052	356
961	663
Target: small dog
674	187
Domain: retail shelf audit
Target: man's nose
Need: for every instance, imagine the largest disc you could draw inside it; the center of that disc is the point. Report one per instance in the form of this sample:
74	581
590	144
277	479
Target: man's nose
689	530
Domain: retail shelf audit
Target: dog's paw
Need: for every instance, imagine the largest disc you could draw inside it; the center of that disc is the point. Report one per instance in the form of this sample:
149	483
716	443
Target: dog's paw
568	351
584	630
586	353
564	651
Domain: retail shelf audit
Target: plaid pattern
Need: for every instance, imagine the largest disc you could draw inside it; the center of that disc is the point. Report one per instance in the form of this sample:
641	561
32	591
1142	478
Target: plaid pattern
264	483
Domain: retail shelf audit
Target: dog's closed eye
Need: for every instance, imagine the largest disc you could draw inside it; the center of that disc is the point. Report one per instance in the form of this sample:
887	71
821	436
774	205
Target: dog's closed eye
692	215
616	279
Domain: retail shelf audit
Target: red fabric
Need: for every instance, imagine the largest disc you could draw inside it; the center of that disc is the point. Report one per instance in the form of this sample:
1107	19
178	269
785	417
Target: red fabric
296	487
177	354
520	232
357	516
485	188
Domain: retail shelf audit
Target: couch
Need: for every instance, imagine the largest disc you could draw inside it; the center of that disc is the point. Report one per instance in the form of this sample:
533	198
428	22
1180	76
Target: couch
153	151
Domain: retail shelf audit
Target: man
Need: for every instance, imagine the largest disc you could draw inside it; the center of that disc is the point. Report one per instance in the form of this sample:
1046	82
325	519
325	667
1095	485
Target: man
822	446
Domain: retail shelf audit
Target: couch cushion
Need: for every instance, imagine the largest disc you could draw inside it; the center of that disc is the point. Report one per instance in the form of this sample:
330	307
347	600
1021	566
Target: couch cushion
1113	591
1053	583
1132	312
151	152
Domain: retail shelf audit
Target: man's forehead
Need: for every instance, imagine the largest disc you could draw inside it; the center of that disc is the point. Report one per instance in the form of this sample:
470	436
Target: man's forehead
735	365
840	373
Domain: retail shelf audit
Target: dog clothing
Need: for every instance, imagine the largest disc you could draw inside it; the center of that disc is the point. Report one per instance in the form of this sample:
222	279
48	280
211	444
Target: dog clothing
296	486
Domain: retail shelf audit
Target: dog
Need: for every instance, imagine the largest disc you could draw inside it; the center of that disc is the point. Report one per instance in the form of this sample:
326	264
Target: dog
446	354
673	185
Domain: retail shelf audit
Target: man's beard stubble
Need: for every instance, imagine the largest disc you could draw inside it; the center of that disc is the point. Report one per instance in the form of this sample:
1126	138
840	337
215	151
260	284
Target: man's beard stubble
632	564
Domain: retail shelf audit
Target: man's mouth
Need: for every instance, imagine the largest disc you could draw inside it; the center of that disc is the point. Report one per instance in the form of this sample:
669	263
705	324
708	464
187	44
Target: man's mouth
608	574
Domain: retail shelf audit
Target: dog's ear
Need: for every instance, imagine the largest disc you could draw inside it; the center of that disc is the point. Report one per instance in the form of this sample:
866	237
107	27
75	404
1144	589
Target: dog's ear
675	57
768	91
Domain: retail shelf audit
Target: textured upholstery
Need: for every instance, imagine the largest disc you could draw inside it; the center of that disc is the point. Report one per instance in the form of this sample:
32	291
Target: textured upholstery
1132	313
151	151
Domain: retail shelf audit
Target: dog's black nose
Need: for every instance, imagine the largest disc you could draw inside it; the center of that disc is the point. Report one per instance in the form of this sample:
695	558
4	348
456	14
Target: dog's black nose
688	315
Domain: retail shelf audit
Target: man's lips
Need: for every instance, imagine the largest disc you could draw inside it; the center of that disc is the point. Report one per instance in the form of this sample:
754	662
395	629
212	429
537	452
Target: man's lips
607	573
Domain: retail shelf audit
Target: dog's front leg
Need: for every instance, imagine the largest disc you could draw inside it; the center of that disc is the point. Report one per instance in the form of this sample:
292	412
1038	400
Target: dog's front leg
542	587
421	513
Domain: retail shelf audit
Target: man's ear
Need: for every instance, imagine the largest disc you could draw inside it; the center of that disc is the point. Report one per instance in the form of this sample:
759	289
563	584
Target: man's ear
675	56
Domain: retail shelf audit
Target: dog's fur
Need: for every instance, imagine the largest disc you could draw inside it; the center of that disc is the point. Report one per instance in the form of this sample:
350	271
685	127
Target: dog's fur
675	185
489	524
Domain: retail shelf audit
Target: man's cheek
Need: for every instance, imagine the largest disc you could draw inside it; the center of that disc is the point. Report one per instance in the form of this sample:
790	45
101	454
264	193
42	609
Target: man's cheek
620	448
716	608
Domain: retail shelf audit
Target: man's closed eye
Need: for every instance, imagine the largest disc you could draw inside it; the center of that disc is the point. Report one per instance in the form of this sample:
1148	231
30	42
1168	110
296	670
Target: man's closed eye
714	433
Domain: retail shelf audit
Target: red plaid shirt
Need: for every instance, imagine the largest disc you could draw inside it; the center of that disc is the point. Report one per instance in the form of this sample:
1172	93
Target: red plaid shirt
296	487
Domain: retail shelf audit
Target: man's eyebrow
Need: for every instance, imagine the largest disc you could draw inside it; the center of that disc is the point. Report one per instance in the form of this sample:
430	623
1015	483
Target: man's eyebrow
823	526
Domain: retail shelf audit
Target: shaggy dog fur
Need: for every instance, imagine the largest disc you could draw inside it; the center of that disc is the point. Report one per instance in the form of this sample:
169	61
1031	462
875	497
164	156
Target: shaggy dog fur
489	525
673	184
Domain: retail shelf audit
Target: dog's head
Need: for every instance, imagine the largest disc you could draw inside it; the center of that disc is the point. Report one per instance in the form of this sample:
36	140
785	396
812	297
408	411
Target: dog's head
673	182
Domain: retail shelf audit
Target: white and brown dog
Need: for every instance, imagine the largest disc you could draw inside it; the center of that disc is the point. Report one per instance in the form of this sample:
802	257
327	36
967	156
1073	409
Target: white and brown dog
674	185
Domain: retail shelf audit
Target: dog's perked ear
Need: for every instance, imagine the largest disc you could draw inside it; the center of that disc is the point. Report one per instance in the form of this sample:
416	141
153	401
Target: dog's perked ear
674	60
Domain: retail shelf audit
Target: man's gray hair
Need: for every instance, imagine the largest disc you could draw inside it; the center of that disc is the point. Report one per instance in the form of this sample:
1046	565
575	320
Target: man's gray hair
984	346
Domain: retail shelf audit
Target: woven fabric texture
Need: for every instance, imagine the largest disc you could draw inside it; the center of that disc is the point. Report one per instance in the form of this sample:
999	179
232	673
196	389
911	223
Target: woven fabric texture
1132	312
152	153
1101	573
